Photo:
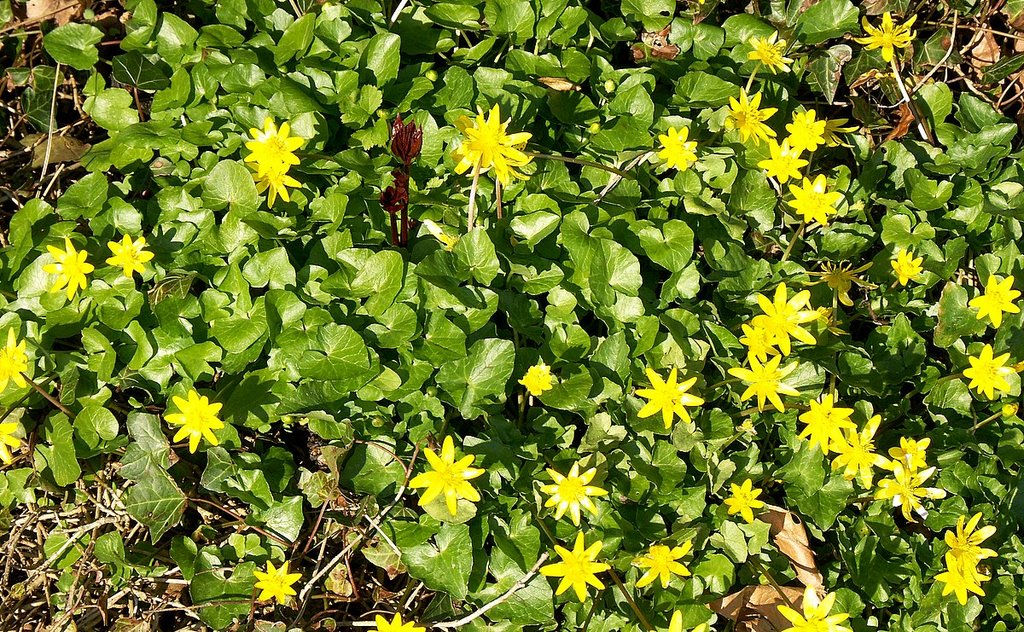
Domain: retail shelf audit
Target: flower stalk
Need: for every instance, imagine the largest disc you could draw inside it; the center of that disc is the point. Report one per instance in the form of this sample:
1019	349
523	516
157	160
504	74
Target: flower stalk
406	145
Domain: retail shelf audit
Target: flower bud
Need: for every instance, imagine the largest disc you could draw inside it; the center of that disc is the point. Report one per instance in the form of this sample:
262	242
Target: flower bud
1009	410
406	140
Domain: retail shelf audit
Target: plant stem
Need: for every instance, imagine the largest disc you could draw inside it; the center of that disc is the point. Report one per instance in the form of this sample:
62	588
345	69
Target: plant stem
49	397
405	225
985	422
629	599
921	130
579	161
792	242
472	198
750	80
394	230
497	196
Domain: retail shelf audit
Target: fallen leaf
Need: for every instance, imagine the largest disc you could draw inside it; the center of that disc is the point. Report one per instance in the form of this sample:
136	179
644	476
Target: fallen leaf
757	607
986	52
62	149
559	84
903	125
791	540
60	11
655	44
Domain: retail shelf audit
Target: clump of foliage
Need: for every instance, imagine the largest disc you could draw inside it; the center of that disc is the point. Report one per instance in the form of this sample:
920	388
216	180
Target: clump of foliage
512	315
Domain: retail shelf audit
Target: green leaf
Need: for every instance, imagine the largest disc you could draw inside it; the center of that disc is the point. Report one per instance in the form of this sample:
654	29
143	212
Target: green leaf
481	375
825	71
60	455
927	194
74	44
135	70
296	39
513	18
229	184
94	424
341	356
827	19
155	501
85	198
381	58
956	319
222	594
112	109
475	254
444	564
379	281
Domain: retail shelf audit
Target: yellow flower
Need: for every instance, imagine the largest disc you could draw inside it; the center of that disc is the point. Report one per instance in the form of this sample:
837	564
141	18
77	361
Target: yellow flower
856	452
805	133
8	441
396	625
668	398
276	583
841	279
765	381
661	563
537	379
906	267
487	144
745	116
960	579
70	268
987	374
448	477
965	543
783	317
744	500
998	298
676	151
784	163
759	341
887	37
814	201
448	241
825	423
906	489
835	127
129	255
1009	410
676	624
815	617
272	148
572	492
276	182
577	568
13	362
911	453
770	51
197	418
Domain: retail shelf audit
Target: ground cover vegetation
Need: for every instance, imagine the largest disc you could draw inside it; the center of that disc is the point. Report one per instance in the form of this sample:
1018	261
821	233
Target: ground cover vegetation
511	315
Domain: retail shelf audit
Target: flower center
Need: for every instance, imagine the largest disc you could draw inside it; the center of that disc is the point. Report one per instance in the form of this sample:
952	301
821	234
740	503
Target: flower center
571	489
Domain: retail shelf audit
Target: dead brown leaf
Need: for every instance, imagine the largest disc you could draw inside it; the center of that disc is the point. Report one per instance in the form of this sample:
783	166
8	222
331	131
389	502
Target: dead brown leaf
756	608
559	84
655	44
791	540
60	11
62	149
986	52
903	125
